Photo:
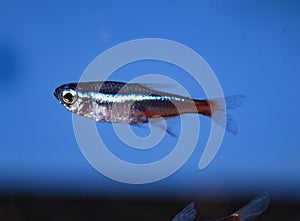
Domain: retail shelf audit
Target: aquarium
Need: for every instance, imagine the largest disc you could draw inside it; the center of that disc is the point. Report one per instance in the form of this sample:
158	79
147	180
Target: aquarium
209	113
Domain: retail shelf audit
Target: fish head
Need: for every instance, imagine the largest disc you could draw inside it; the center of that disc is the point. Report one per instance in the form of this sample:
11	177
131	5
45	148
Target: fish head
67	95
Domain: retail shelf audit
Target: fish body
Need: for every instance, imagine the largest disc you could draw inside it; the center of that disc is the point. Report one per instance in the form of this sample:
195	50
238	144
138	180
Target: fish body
129	103
249	212
134	103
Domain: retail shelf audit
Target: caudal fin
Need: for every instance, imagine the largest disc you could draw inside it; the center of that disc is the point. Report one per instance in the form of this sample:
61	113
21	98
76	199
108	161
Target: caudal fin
187	214
219	108
251	210
254	208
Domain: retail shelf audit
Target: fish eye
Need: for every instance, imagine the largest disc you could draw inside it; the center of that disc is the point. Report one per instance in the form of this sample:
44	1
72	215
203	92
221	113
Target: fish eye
69	96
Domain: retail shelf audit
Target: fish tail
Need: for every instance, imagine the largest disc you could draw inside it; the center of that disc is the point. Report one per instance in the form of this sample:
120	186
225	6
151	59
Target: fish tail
218	108
187	214
254	208
251	210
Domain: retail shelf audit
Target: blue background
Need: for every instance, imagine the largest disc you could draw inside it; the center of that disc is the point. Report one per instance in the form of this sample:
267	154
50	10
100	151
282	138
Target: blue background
252	46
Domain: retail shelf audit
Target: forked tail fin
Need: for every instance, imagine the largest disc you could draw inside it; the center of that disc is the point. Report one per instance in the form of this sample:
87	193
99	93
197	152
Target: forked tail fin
187	214
254	208
251	210
218	109
247	213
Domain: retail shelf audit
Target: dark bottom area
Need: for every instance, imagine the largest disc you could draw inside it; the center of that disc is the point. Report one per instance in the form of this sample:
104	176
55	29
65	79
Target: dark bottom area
56	209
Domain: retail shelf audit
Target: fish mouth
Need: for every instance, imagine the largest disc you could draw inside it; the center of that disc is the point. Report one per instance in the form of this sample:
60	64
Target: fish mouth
56	93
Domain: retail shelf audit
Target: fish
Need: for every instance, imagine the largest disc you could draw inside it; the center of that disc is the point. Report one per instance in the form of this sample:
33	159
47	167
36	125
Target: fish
187	214
249	212
135	103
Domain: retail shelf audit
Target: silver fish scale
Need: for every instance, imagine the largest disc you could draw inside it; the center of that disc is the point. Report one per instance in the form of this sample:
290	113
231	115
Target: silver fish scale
110	108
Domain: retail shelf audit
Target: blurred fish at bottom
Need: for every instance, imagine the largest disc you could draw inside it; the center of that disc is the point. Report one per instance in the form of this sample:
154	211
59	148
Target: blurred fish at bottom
247	213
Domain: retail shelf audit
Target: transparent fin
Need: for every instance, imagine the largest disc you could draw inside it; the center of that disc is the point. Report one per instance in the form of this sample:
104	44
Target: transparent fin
220	111
159	123
169	132
230	124
155	86
187	214
250	211
254	208
234	101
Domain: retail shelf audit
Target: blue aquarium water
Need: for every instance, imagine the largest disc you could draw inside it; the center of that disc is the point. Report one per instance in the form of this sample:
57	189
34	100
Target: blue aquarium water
252	47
